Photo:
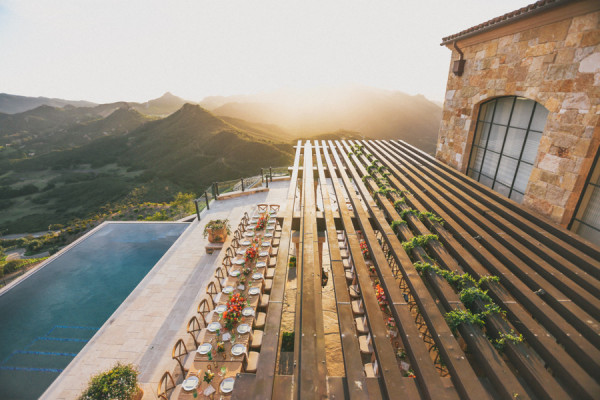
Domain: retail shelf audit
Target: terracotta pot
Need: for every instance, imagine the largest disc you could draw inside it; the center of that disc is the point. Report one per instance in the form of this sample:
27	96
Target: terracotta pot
138	395
217	235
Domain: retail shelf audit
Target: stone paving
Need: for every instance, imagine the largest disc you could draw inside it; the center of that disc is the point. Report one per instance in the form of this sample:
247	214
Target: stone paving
145	327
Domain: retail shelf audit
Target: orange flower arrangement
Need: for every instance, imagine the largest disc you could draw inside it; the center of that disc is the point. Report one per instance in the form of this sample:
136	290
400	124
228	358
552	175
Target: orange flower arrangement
251	254
381	297
233	315
262	223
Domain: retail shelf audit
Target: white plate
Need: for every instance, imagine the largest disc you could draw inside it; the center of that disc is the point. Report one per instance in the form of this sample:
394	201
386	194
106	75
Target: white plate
238	349
204	348
227	385
234	272
249	234
213	326
261	264
243	328
220	309
245	243
268	234
257	276
253	291
226	336
239	261
190	383
272	220
271	226
263	254
248	311
228	289
266	244
240	252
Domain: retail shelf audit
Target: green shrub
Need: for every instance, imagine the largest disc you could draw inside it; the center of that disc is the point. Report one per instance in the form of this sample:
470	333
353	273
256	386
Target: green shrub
287	341
119	383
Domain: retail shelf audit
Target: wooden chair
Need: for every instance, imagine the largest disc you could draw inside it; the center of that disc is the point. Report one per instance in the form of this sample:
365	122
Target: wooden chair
361	325
227	262
364	344
167	387
230	252
268	285
264	301
221	274
241	227
371	369
182	356
235	243
357	307
256	341
259	321
262	208
194	329
237	235
250	362
274	208
204	309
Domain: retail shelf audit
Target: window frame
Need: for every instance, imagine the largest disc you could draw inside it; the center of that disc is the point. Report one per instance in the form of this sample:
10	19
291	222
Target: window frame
585	197
476	146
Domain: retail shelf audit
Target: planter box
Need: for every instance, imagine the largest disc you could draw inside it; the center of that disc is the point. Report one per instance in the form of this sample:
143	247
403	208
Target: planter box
217	235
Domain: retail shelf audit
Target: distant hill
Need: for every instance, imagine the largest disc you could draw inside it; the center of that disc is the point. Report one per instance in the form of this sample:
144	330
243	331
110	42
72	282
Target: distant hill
184	152
12	104
47	128
162	106
379	114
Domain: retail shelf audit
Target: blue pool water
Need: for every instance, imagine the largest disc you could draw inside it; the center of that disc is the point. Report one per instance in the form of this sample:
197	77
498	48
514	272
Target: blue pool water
47	318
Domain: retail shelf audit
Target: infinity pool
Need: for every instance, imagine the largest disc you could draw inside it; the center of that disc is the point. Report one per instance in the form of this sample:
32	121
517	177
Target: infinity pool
48	317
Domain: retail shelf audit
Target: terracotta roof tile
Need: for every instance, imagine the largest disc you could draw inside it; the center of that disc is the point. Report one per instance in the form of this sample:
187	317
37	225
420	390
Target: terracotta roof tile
535	7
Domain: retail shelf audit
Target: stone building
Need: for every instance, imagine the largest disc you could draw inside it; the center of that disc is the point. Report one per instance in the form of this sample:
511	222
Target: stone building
522	109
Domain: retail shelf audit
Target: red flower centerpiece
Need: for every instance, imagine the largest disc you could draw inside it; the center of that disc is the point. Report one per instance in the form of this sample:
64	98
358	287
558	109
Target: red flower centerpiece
262	223
381	299
251	254
365	249
233	315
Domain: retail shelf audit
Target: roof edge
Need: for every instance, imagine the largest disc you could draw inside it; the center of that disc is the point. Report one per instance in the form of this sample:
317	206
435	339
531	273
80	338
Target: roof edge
505	19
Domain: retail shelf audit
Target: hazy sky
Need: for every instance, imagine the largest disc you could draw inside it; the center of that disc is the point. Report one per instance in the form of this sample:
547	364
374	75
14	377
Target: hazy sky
135	50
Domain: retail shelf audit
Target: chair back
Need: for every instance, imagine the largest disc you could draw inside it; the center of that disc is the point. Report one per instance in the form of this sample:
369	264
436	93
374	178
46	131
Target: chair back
274	208
204	309
237	235
179	353
241	227
194	329
230	252
262	208
227	262
220	273
165	385
235	243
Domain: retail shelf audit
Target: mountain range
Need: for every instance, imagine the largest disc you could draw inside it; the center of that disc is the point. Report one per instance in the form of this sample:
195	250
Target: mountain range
65	160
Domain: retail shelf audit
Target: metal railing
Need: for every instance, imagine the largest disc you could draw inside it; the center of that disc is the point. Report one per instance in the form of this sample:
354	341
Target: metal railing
216	189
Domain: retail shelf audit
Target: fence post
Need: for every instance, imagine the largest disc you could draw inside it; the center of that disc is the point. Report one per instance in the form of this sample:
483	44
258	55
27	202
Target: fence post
197	209
271	173
262	177
217	187
267	181
242	184
214	191
206	198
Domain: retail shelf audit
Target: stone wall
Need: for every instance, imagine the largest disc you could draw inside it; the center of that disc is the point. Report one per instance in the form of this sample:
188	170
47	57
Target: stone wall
557	65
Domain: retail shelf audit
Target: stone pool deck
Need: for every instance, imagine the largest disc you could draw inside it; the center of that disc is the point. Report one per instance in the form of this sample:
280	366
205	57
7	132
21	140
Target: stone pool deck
147	324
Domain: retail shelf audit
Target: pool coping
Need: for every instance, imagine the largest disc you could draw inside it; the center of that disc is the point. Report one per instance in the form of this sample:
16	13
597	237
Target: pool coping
65	249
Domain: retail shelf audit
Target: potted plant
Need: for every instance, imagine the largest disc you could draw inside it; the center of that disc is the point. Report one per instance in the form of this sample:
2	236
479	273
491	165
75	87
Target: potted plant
120	382
217	230
292	262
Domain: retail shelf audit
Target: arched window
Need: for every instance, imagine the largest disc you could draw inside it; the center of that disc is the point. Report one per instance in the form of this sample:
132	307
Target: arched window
505	145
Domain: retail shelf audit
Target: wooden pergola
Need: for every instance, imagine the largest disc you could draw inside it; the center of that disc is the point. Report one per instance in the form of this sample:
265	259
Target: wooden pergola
489	300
